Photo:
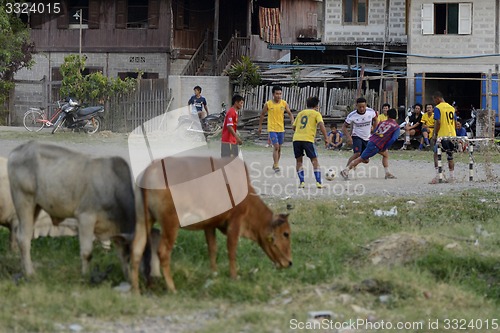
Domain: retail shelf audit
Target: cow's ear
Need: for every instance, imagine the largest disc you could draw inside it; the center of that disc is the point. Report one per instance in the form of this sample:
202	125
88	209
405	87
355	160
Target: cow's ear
282	218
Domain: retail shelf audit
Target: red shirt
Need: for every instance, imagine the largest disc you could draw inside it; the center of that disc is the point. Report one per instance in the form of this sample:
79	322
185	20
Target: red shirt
231	119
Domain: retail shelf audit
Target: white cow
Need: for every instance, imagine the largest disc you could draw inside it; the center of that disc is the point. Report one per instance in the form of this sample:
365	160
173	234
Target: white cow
43	224
96	191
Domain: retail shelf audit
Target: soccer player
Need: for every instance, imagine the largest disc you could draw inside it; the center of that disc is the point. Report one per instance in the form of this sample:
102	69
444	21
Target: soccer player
230	139
385	135
303	139
363	119
444	125
275	109
197	103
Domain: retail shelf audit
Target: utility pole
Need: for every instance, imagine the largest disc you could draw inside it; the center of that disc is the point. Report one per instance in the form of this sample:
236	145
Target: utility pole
78	15
386	37
216	38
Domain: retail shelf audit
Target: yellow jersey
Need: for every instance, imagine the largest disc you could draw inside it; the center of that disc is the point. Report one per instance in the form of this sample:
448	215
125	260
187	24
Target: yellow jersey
276	116
305	124
382	117
446	114
428	121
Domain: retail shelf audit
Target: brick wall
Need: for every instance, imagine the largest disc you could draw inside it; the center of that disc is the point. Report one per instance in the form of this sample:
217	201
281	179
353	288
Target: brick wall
29	91
374	31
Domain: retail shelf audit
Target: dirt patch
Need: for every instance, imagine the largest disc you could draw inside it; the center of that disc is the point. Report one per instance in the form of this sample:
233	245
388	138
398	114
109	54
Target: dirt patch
395	249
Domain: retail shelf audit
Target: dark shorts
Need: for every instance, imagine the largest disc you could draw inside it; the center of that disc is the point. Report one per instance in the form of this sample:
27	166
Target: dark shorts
299	147
229	150
277	137
447	146
370	151
358	144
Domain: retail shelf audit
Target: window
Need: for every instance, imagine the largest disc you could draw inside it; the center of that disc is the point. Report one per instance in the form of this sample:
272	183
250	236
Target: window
137	14
75	7
447	19
182	15
134	75
355	11
57	76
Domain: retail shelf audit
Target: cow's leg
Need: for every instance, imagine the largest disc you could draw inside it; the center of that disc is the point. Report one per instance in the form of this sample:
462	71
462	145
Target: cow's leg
86	224
14	247
138	245
168	236
26	216
212	248
233	234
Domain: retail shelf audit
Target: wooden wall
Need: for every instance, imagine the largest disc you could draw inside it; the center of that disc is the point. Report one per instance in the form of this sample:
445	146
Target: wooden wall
297	15
107	31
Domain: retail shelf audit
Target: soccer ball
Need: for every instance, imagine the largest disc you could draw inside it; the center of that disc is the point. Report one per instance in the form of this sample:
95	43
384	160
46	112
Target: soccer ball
330	174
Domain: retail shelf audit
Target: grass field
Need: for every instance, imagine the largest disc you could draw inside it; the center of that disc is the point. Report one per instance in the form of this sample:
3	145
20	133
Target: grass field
453	271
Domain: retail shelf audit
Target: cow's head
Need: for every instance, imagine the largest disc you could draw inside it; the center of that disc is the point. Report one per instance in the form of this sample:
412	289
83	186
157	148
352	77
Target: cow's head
276	241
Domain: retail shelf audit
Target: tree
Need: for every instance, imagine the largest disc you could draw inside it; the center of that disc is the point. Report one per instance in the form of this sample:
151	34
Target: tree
91	87
15	50
244	73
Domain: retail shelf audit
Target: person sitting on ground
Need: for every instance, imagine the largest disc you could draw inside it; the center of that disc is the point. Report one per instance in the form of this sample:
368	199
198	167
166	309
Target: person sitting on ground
414	126
198	103
459	129
385	135
427	126
335	138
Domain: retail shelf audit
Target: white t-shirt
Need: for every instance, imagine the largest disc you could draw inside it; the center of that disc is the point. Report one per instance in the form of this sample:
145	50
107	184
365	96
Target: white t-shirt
361	123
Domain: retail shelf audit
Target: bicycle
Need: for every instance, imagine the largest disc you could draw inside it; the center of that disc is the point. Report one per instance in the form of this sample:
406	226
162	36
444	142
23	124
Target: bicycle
35	119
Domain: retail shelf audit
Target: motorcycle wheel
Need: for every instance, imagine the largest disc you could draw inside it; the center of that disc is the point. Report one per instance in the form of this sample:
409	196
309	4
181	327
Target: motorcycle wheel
213	128
59	123
93	125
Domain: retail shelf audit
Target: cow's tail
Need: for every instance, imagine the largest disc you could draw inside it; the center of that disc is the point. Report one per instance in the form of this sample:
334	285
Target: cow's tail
147	255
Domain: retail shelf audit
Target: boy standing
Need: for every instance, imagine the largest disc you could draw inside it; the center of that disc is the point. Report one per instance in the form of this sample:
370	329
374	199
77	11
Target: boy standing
197	103
444	126
275	110
303	139
385	135
230	139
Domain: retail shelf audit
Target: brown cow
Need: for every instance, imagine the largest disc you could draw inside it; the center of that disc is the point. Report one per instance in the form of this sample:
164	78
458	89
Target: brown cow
248	217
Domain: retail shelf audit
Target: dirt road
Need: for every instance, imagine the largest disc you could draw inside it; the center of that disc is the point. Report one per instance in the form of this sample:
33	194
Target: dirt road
413	171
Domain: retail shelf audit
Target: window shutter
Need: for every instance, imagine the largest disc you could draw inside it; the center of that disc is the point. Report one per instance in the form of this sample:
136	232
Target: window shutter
427	19
94	9
464	18
63	19
121	14
153	13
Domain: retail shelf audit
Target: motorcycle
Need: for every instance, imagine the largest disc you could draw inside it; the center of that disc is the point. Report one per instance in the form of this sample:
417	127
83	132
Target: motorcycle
211	125
470	124
74	117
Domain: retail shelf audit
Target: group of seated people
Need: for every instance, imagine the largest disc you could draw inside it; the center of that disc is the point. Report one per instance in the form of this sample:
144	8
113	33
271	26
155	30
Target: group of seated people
420	126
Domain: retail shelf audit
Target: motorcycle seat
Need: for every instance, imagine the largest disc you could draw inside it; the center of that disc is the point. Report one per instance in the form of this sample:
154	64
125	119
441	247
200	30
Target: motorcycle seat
89	110
497	124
